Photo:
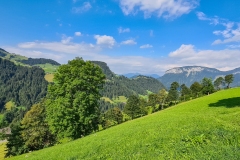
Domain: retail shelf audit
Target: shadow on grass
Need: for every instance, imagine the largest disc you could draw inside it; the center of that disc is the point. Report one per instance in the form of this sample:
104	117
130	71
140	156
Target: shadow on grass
228	103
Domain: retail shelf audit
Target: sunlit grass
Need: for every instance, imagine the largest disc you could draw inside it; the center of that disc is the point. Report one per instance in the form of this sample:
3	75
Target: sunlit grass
2	149
121	99
48	68
107	99
49	77
9	105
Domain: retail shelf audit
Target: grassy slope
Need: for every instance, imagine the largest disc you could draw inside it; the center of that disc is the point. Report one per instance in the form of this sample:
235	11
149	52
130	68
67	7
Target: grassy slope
2	149
204	128
48	68
49	77
120	99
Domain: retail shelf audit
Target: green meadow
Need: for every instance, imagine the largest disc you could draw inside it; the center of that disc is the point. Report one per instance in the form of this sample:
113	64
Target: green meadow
203	128
49	77
48	68
2	149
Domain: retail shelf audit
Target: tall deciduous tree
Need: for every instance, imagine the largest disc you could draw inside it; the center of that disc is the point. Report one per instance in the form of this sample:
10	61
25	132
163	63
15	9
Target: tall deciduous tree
154	101
196	88
218	83
132	107
229	79
207	86
15	144
173	92
36	133
72	100
143	104
162	96
114	114
185	92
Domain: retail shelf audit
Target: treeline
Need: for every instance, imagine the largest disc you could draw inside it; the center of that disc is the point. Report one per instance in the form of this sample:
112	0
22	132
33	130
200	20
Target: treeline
24	86
137	106
34	61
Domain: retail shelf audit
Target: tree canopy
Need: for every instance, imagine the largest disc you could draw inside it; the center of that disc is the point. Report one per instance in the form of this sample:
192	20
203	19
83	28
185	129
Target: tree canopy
207	86
196	88
219	82
228	79
132	108
72	100
173	92
35	133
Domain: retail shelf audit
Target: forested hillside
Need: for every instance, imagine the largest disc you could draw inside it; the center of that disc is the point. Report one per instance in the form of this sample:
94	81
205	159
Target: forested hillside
35	61
23	85
117	85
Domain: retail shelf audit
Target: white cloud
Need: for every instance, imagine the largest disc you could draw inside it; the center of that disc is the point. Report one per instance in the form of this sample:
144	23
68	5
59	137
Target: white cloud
183	51
230	34
123	30
60	47
77	33
129	42
213	20
66	40
84	8
146	46
104	40
160	8
233	46
221	59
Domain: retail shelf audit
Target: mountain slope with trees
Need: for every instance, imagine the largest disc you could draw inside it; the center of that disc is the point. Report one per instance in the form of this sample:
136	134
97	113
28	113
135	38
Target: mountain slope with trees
117	85
22	86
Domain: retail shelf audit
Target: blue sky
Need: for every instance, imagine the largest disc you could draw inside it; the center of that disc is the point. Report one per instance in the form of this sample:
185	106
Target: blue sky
144	36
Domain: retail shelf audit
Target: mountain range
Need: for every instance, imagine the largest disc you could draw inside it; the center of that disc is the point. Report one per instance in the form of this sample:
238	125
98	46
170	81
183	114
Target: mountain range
189	74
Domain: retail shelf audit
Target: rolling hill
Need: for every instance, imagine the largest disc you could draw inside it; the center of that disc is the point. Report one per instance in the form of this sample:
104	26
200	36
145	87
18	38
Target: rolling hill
48	65
189	74
204	128
132	75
